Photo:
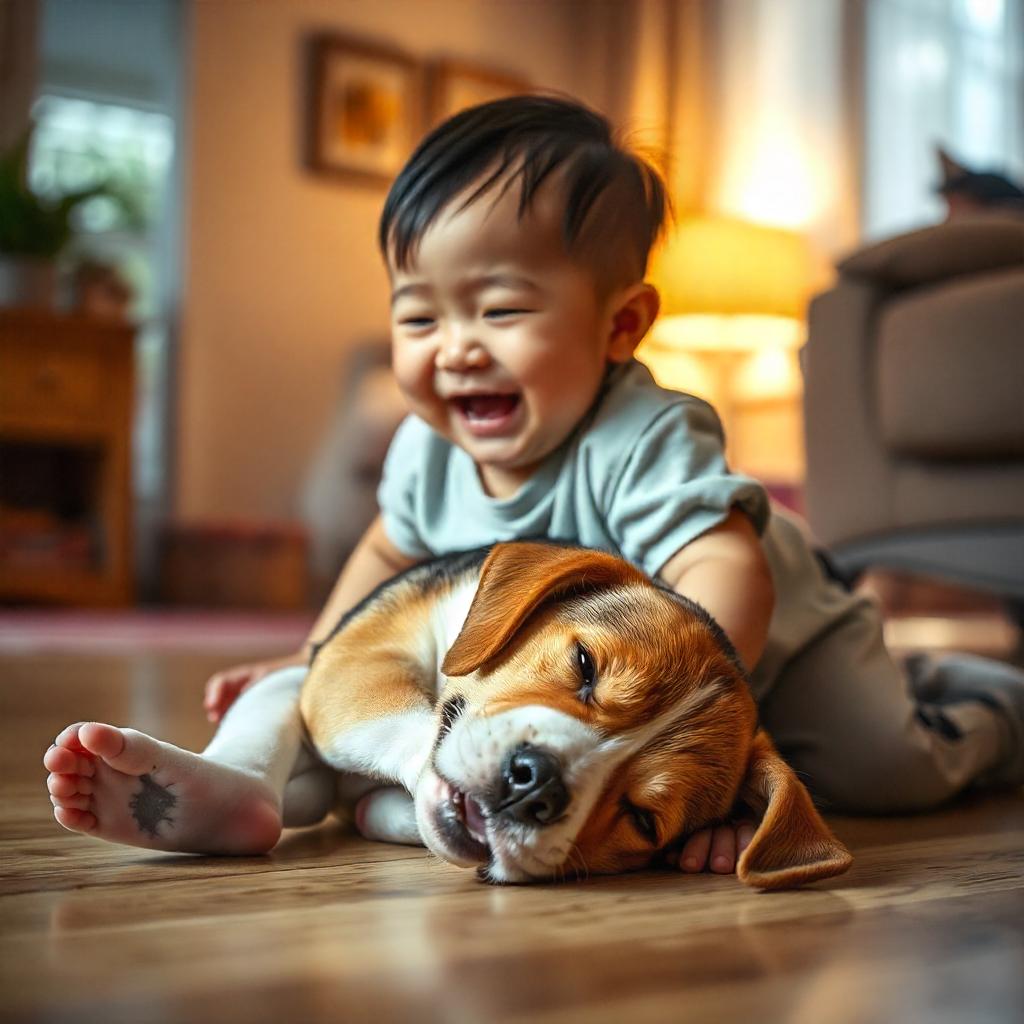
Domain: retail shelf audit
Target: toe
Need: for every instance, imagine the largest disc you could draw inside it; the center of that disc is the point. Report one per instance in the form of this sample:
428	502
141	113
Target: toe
103	740
69	737
67	762
125	750
694	856
68	785
75	820
75	802
60	759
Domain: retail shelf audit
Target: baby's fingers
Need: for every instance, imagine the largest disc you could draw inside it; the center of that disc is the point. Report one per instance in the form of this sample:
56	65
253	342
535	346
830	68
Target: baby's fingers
222	689
212	694
694	855
723	850
716	849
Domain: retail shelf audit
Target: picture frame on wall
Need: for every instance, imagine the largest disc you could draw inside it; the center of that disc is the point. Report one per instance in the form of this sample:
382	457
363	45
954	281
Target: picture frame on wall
363	111
455	85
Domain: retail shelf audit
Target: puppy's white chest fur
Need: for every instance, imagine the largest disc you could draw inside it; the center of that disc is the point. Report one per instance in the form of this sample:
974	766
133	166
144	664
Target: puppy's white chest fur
446	621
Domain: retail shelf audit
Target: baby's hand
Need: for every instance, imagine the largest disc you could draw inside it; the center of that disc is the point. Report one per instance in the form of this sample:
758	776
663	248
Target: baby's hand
223	688
716	849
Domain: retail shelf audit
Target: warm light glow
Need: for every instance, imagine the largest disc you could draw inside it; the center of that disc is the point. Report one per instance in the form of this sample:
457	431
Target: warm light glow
762	351
768	374
779	183
680	370
733	301
723	266
705	332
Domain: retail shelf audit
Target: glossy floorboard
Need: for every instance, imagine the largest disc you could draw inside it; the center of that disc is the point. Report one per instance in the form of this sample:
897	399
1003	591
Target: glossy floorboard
928	926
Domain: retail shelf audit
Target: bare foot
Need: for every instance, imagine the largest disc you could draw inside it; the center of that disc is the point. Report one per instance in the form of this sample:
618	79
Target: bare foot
126	787
716	849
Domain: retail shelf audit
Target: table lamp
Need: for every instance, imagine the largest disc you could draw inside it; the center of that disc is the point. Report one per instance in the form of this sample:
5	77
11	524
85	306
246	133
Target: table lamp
733	299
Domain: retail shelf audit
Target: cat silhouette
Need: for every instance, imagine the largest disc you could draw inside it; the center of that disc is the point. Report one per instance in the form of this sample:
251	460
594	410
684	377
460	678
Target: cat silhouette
970	192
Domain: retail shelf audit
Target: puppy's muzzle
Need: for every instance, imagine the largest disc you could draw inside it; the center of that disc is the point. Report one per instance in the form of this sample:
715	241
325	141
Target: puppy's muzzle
532	791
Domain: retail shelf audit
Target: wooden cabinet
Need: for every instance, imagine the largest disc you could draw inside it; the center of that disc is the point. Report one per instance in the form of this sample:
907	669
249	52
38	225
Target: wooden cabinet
65	458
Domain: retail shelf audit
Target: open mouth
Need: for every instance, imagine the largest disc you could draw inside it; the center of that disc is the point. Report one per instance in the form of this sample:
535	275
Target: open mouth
463	823
487	414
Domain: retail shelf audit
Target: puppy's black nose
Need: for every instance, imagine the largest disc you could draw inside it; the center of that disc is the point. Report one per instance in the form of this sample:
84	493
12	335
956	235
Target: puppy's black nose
533	792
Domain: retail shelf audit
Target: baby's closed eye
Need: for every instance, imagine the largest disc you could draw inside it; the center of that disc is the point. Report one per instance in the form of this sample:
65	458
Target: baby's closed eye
505	312
416	322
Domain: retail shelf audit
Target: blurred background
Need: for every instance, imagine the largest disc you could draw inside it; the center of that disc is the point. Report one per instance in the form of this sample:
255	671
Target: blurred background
194	388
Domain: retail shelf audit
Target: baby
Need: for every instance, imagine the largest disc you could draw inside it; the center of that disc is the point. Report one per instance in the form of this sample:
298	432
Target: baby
516	241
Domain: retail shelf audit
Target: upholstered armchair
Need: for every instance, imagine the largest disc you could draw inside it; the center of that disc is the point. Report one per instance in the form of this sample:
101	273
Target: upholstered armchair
914	407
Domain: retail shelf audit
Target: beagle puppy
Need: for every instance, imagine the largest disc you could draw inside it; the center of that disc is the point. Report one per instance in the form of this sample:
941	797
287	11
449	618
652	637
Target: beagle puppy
540	712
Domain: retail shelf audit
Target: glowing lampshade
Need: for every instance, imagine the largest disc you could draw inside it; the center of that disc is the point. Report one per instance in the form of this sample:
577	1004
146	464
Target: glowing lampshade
721	266
732	288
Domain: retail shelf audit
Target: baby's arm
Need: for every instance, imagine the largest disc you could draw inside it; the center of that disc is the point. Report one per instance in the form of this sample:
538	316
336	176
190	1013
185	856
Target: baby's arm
374	560
725	571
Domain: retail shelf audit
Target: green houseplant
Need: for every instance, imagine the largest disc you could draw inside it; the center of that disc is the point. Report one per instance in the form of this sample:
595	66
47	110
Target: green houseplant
33	230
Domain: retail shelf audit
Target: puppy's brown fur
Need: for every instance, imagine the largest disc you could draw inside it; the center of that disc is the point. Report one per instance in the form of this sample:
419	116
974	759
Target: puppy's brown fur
669	688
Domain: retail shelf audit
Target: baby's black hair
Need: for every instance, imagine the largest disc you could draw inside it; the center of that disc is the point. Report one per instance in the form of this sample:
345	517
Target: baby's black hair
615	201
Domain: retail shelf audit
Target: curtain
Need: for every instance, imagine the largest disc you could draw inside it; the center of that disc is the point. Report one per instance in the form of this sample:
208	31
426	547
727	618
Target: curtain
649	72
746	101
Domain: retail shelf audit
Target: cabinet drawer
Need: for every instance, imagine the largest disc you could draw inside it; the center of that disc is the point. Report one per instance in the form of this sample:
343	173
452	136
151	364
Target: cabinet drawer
44	384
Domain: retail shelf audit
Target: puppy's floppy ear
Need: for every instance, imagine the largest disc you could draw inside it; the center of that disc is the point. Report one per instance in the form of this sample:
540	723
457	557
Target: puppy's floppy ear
515	579
792	845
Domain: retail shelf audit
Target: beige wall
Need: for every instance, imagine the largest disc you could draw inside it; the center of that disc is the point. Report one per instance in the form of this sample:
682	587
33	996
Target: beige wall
281	272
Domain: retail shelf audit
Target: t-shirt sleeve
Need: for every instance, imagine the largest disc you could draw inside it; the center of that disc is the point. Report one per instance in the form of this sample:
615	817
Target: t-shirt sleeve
675	485
397	494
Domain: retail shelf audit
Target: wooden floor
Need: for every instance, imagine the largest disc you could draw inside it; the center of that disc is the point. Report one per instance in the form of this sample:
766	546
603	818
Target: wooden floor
928	926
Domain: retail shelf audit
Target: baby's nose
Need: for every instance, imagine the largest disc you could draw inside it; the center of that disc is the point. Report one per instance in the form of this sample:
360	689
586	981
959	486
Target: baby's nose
461	353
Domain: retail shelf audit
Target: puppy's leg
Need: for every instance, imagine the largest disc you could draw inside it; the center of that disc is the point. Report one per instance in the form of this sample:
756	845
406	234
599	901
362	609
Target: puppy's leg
388	815
309	796
368	701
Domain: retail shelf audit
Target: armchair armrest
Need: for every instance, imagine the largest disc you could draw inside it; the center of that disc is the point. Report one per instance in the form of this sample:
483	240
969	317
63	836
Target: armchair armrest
938	253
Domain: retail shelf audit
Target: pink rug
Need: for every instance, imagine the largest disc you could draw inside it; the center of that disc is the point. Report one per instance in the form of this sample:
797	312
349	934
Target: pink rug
127	632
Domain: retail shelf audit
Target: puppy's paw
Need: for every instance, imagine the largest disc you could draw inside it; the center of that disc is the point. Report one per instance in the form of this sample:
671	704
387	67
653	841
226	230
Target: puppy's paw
388	815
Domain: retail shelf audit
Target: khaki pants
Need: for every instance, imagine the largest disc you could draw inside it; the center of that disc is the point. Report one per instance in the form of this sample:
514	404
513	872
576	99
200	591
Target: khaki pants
843	715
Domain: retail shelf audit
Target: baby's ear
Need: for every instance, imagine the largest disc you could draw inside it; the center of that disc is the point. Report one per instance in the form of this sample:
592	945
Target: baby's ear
792	845
635	312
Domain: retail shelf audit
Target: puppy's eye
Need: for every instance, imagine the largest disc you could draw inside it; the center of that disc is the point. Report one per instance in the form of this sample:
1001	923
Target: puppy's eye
644	821
588	673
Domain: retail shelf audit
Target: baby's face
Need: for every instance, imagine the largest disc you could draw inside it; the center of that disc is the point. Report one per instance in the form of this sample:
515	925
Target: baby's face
500	340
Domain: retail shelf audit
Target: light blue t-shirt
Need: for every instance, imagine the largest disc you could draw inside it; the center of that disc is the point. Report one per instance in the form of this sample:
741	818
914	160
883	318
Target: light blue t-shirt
643	475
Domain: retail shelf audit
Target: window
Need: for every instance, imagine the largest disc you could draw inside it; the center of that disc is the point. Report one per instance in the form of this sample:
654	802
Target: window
938	71
78	143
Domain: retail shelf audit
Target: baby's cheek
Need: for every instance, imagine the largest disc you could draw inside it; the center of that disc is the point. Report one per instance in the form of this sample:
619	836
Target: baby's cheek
415	378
